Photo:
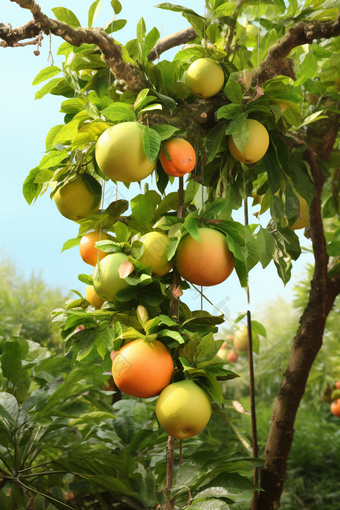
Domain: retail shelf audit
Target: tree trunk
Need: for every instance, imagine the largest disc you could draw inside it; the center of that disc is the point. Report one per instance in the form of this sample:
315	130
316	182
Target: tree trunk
306	345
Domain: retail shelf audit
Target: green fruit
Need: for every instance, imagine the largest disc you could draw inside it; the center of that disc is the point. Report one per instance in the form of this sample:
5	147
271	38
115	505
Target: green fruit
205	77
257	145
75	200
183	409
120	154
106	279
241	340
155	253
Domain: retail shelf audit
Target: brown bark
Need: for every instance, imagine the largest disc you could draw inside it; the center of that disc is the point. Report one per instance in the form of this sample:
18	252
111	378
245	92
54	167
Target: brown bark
308	340
171	41
275	62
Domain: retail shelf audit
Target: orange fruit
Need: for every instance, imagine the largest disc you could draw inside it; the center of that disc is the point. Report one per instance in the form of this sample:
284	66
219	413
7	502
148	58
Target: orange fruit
142	369
182	154
337	385
232	356
335	408
87	250
205	262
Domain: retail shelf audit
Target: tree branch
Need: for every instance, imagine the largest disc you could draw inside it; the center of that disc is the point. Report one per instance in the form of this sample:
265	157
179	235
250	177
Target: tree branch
275	62
112	53
232	26
171	41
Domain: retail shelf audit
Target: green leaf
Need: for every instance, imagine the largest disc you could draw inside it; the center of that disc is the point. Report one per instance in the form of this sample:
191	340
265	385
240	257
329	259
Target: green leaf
93	12
44	176
9	408
46	74
31	189
151	143
307	69
51	136
265	246
240	133
52	159
229	111
216	208
281	5
214	140
164	131
121	231
258	328
11	360
116	6
119	112
48	87
67	16
149	42
71	243
143	206
86	278
115	26
233	91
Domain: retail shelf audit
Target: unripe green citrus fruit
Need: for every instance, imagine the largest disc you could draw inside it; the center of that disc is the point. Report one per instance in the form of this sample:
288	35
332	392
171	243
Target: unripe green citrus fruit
106	279
75	200
205	262
120	154
257	145
183	409
205	77
155	253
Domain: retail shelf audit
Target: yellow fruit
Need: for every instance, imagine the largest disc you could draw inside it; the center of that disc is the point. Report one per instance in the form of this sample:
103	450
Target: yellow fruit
155	253
252	30
241	340
120	154
223	353
76	200
257	145
205	77
92	297
183	409
106	279
303	219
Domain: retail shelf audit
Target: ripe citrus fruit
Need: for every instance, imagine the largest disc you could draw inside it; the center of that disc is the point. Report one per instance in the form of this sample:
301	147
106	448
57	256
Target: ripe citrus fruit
142	369
303	219
155	253
337	385
76	200
92	297
205	262
232	356
335	408
241	339
183	409
120	154
257	145
205	77
106	279
182	157
87	250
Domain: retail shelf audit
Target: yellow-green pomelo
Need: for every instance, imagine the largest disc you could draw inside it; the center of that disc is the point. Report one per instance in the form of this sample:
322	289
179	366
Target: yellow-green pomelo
241	340
303	219
92	297
257	145
155	253
183	409
120	154
76	200
106	279
205	77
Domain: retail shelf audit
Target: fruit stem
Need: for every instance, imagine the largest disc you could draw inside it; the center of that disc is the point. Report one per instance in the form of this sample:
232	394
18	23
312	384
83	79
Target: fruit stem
180	453
170	454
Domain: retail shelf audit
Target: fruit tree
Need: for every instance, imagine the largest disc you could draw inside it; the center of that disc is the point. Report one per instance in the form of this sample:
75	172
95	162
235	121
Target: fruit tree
248	106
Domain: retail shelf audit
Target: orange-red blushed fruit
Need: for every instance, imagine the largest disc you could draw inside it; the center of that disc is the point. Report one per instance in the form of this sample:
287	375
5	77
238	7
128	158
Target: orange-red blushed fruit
205	262
337	385
182	154
87	250
142	369
335	408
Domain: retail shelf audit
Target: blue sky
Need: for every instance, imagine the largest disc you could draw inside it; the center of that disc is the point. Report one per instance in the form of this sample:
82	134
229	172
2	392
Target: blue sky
33	235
